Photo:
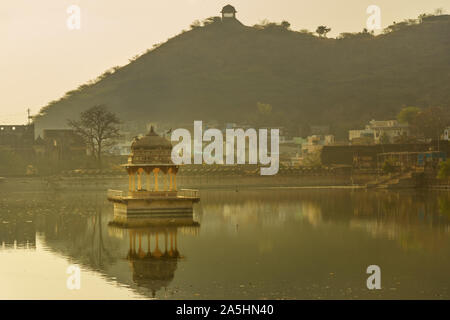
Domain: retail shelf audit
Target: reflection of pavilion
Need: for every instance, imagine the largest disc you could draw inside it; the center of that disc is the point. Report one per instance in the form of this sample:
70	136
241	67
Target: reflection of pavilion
153	249
151	154
18	235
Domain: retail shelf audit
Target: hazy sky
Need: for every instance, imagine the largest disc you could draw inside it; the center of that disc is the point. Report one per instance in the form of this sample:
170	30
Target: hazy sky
41	59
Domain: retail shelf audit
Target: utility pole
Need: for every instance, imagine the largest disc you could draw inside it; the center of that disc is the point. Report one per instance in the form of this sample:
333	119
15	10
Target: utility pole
29	115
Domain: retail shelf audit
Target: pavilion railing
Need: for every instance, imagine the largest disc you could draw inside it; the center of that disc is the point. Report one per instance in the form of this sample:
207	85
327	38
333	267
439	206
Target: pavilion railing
115	193
182	193
188	193
151	194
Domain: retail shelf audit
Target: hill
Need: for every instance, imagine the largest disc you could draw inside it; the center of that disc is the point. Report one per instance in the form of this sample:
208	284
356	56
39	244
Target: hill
220	71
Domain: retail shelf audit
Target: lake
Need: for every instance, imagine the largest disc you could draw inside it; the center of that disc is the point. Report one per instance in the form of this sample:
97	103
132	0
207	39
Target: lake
271	243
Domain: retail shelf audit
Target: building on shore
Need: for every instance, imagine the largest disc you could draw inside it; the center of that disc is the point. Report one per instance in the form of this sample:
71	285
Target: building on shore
310	149
376	132
60	145
403	161
228	12
315	143
366	156
446	134
17	138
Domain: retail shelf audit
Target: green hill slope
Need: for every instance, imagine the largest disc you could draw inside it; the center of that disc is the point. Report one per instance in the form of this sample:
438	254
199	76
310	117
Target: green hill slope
220	71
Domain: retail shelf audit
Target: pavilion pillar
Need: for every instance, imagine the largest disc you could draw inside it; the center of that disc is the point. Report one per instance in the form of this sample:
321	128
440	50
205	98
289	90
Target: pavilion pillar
165	181
175	181
148	181
133	182
157	253
131	241
165	241
130	182
176	246
141	250
139	180
155	172
171	244
170	180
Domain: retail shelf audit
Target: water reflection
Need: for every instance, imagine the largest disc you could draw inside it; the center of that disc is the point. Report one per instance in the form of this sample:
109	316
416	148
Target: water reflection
269	243
153	250
17	235
97	242
414	219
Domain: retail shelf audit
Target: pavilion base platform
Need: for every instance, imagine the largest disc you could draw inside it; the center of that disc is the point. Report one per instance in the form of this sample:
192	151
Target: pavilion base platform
140	207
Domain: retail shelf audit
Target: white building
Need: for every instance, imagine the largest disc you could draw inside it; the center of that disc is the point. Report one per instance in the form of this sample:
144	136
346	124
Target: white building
387	131
446	134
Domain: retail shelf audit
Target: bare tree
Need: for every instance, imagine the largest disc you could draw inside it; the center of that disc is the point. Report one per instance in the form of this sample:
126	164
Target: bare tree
98	127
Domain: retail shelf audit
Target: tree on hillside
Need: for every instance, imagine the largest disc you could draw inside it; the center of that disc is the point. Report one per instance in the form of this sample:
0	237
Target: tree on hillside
211	20
322	31
407	114
196	24
98	127
430	122
364	34
267	25
285	24
264	108
264	116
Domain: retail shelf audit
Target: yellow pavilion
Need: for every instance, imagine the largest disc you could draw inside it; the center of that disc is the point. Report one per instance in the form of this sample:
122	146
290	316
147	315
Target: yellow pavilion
152	183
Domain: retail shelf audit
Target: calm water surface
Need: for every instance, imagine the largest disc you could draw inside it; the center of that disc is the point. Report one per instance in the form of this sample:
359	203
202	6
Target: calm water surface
250	244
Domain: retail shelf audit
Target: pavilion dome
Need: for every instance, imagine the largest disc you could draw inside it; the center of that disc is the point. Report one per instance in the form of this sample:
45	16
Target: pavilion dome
151	141
150	149
153	273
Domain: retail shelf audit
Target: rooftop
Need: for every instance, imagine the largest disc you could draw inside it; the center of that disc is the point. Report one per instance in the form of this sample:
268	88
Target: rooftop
228	9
